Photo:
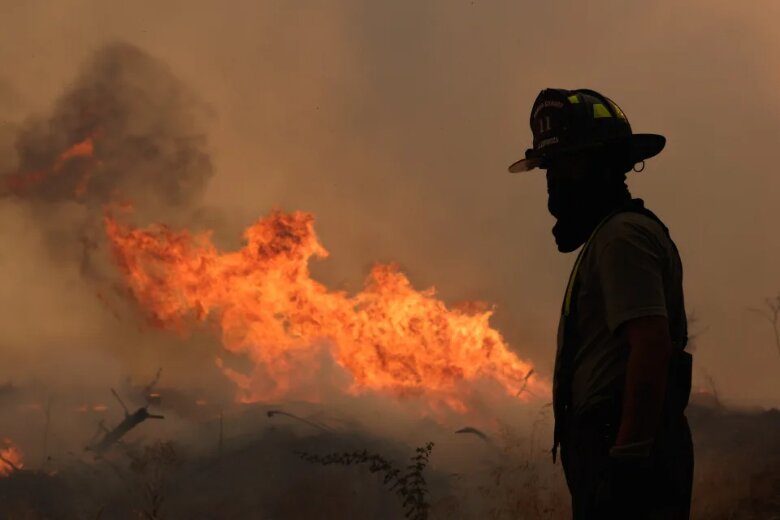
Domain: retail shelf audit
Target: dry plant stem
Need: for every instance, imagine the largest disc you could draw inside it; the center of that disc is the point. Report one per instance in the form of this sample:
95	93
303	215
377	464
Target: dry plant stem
152	467
775	307
272	413
410	487
772	315
45	455
713	388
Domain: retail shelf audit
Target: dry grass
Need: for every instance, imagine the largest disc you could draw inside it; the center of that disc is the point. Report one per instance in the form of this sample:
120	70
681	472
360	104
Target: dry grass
152	466
506	475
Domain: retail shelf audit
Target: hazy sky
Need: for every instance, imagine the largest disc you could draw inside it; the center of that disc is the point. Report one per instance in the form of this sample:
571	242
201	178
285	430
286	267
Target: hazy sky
394	122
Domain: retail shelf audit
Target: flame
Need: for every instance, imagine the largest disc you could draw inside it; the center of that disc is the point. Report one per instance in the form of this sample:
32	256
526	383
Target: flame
84	408
24	182
85	148
10	457
389	338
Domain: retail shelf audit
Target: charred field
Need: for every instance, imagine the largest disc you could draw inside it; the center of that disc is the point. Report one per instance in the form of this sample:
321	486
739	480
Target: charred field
251	462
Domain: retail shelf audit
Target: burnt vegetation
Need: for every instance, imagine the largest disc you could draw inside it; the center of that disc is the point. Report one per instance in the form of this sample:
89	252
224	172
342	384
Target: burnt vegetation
266	469
410	486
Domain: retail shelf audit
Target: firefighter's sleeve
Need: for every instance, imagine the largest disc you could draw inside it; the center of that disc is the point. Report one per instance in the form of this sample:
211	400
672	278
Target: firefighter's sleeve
630	265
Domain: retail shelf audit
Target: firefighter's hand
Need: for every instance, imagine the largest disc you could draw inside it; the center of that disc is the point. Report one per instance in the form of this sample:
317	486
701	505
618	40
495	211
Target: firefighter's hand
632	451
629	475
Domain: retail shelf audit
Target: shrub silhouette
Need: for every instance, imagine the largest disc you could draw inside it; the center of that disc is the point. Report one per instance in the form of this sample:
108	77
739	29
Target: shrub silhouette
410	486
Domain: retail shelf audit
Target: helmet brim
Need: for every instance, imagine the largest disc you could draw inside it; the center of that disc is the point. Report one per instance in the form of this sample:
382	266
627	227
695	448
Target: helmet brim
643	146
525	165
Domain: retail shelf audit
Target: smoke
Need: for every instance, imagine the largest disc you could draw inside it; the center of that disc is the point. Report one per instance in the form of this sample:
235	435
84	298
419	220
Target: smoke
142	136
398	152
399	144
393	123
150	134
125	130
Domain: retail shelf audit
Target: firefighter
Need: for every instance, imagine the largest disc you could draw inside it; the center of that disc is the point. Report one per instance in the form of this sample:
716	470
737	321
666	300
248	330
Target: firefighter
622	376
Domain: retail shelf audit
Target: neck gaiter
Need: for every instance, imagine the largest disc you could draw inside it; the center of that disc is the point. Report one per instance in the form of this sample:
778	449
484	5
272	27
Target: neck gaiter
579	206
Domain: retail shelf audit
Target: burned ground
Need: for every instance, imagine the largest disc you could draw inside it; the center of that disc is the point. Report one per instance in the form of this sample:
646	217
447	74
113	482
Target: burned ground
255	471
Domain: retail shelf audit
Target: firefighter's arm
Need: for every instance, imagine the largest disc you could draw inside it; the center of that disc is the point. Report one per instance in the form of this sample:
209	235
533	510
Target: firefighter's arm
650	350
631	266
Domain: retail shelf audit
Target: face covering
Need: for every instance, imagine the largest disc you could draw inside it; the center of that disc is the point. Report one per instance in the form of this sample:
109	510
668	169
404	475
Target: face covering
579	205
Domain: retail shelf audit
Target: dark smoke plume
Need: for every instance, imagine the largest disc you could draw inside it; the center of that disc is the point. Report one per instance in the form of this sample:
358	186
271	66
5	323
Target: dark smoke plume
124	130
127	130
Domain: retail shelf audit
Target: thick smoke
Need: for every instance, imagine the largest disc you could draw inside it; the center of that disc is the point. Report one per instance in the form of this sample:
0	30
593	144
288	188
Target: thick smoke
140	136
393	122
126	131
149	132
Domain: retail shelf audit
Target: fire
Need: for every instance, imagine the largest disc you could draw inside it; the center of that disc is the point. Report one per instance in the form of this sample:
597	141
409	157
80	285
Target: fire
10	458
85	148
24	182
84	408
389	338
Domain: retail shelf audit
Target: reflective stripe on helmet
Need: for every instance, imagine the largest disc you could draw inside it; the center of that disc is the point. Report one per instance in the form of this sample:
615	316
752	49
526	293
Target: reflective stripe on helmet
600	110
617	110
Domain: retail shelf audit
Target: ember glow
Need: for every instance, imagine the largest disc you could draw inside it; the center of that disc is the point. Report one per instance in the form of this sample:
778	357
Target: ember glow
10	458
389	338
85	408
24	182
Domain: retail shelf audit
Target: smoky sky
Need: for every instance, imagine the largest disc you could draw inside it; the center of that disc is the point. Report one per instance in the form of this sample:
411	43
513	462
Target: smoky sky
394	122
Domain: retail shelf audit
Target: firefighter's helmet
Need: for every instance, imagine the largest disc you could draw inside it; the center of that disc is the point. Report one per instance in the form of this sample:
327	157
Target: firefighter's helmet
571	121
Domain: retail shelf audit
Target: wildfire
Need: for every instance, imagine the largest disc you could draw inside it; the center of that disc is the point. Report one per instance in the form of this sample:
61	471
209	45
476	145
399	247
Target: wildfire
10	458
21	183
390	337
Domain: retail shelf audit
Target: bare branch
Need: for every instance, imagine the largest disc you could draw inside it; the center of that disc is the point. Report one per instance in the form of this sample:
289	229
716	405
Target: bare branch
771	313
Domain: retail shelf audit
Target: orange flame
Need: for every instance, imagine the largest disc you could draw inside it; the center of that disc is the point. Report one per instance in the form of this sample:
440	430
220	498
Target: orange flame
85	148
84	408
24	182
389	337
10	458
